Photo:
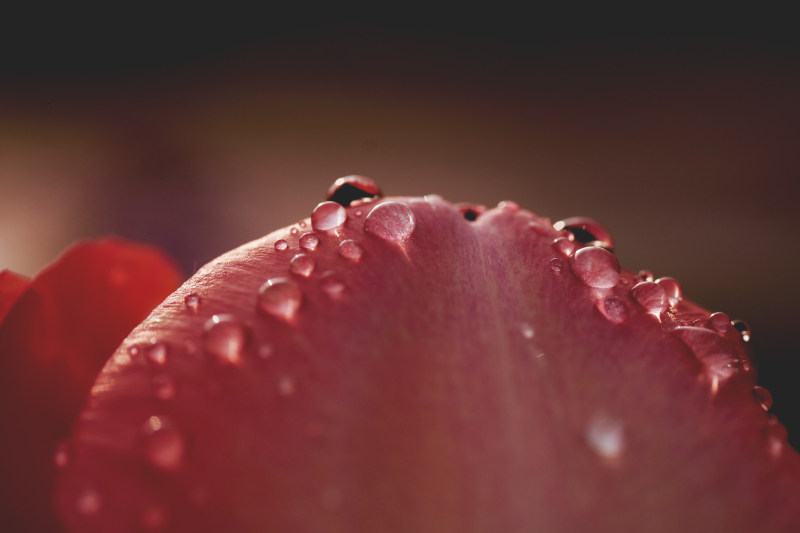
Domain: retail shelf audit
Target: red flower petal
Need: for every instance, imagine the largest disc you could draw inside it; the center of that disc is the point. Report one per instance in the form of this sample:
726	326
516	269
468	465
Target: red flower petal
11	287
53	342
451	376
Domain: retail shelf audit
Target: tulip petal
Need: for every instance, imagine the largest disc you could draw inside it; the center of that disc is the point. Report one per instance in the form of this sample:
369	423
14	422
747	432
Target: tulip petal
53	342
458	373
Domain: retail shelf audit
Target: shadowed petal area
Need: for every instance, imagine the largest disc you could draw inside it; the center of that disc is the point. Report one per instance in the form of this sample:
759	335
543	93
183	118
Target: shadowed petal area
11	287
457	376
53	342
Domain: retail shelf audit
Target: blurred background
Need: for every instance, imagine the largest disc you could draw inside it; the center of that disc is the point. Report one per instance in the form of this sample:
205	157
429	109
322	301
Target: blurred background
198	132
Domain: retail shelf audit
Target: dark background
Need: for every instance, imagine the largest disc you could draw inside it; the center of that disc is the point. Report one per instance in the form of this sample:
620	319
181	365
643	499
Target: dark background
200	131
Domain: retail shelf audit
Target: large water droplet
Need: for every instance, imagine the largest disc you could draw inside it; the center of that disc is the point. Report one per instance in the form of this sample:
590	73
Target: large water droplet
157	352
391	221
613	308
302	265
332	285
606	437
673	290
280	298
564	246
89	502
763	397
164	445
720	322
587	231
328	216
281	245
349	188
742	327
651	296
309	242
192	303
350	249
225	337
164	387
595	267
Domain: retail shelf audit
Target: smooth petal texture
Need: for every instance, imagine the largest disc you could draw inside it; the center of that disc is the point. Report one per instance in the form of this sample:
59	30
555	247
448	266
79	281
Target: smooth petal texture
53	342
11	288
457	376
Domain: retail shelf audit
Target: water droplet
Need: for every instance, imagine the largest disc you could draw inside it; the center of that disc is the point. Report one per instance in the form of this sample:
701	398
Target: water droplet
595	267
164	445
133	351
266	350
508	205
192	303
651	296
763	397
294	231
61	456
302	265
720	322
776	435
556	265
333	286
471	212
154	518
302	224
613	308
157	352
673	290
350	249
358	212
742	327
164	387
564	246
586	231
225	337
646	275
286	386
309	242
89	502
526	330
349	188
328	216
280	297
606	437
391	221
281	245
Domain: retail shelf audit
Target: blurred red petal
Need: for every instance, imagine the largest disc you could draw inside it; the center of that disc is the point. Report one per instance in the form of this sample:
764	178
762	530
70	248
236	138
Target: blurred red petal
53	342
11	287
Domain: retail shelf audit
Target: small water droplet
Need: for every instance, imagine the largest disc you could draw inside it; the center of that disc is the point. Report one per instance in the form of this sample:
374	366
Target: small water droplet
613	308
332	285
358	212
651	296
350	249
302	265
673	290
564	246
61	456
391	221
89	502
471	212
328	216
281	245
606	437
595	267
157	352
225	337
720	322
349	188
646	275
190	346
556	265
763	397
164	445
164	387
526	330
309	242
154	518
508	205
742	327
586	231
294	231
280	297
286	386
302	224
133	351
192	303
775	433
266	350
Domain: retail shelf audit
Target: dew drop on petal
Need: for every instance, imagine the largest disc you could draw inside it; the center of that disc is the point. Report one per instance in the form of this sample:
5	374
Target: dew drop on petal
154	518
526	330
564	246
595	267
286	386
294	231
266	350
225	337
164	387
157	352
556	265
613	308
328	216
302	265
164	446
646	275
349	188
309	242
763	397
133	351
351	250
673	290
508	205
742	327
280	297
333	286
391	221
61	456
281	245
775	433
651	296
89	502
606	437
720	322
192	303
586	231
